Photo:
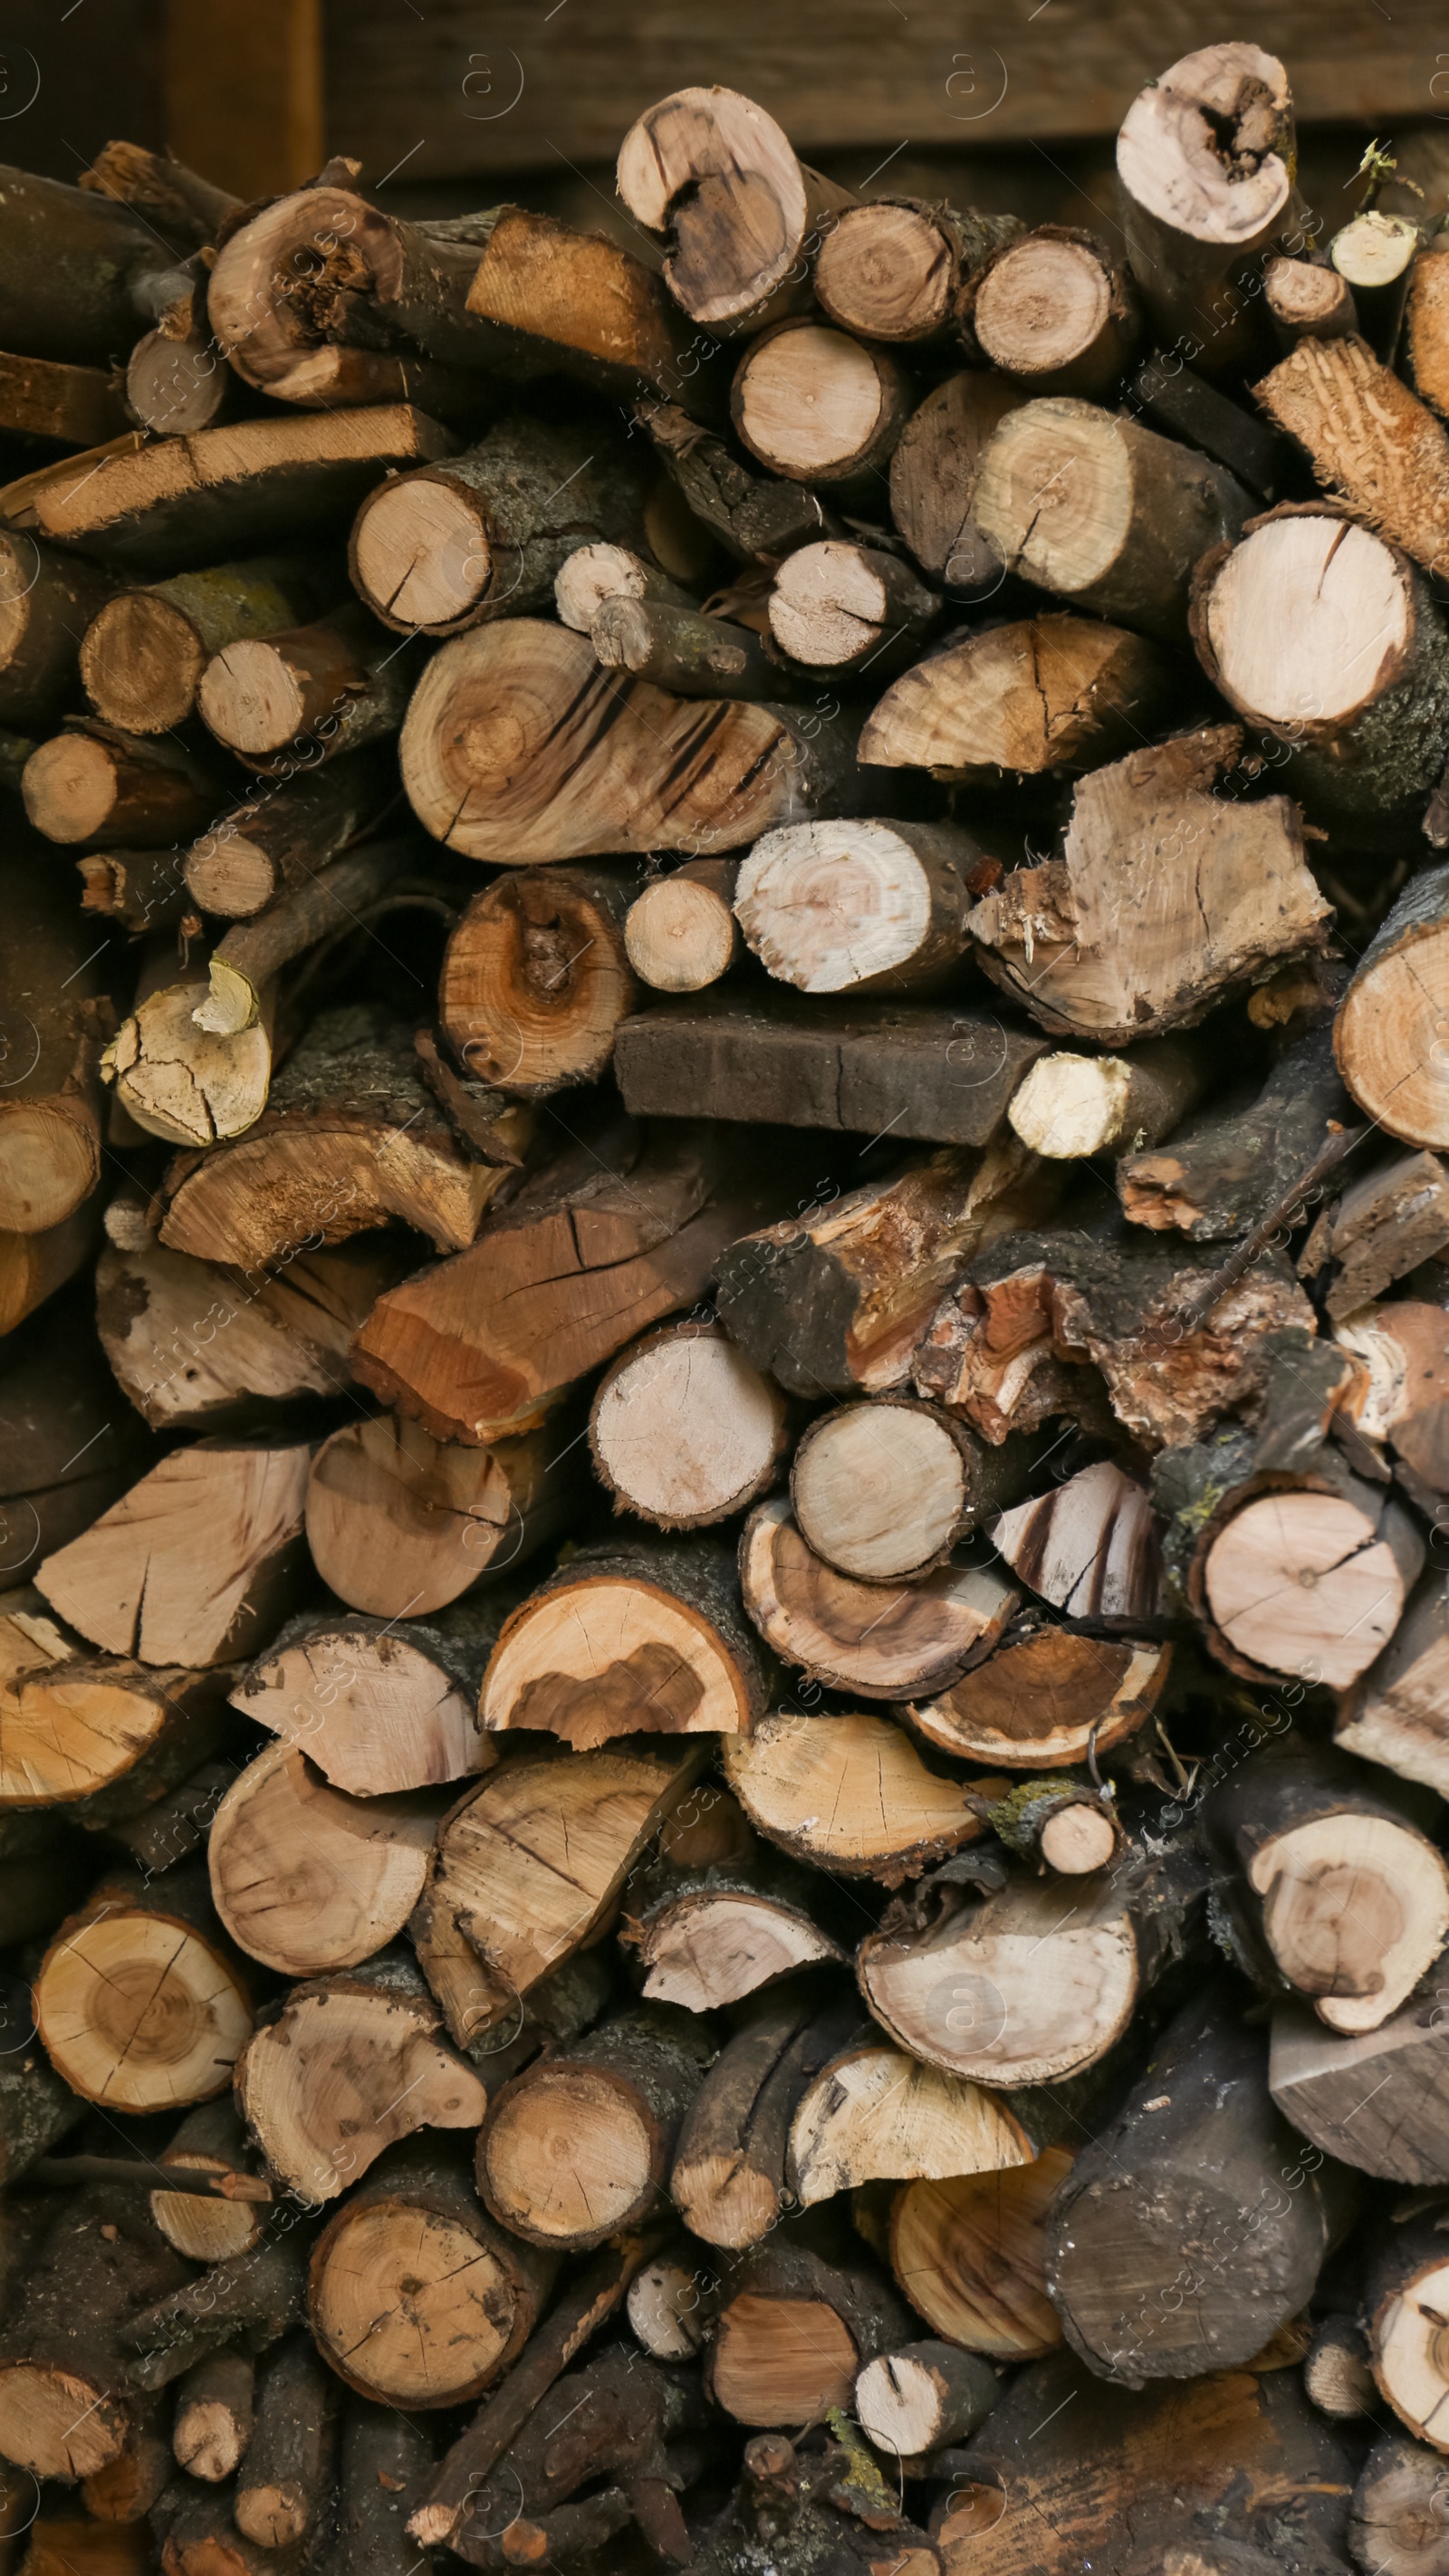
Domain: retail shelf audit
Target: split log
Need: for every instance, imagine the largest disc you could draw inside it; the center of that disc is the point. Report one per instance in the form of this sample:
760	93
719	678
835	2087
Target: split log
1205	161
1393	1715
1426	327
536	979
306	1877
1374	2099
680	934
415	2298
729	2174
1225	1167
1367	438
1375	253
915	2401
212	2229
1055	311
964	1985
1335	1889
860	907
838	1297
1336	2375
714	174
1403	2295
95	784
1382	1227
1146	2214
796	2331
849	1794
713	1938
883	1491
606	764
214	2415
350	1138
283	2487
584	1258
579	2146
817	406
310	694
286	834
1164	897
153	508
386	2462
598	571
848	607
485	534
78	406
908	1642
378	1707
894	268
1396	2518
1078	1105
874	2113
683	1431
68	2411
1307	302
44	600
933	477
196	1563
1043	693
141	2002
1090	1547
969	2254
246	2304
1326	635
679	649
144	651
1103	512
97	1735
352	2064
400	1523
1386	1037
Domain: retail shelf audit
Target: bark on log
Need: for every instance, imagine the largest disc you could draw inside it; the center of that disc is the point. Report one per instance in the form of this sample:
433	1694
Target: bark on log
1225	1167
308	695
307	1878
248	2303
536	979
1384	1225
849	607
1037	694
680	934
1396	2518
386	2462
144	651
849	1794
715	1938
860	907
101	1736
1054	311
895	268
282	2488
1386	1036
379	1707
141	2002
917	2400
210	2143
874	2113
1403	2295
713	173
214	2416
1205	161
1374	2099
597	571
285	834
693	655
78	406
1075	1105
44	600
757	519
142	889
579	2146
68	2411
621	2419
911	1642
1307	302
729	2170
828	2505
78	267
819	407
95	784
883	1491
795	2332
970	2256
683	1431
1367	438
934	474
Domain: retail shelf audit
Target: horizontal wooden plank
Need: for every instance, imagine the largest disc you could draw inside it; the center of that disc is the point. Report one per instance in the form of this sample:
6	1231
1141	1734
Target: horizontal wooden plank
458	92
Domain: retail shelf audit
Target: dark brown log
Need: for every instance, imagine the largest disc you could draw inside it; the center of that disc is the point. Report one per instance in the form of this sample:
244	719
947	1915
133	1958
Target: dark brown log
620	2418
1367	439
728	2177
848	607
1184	405
1056	312
1038	694
144	652
1372	2099
580	2145
895	268
201	2538
95	784
860	907
1396	2520
78	269
883	1491
1205	161
307	1878
385	2464
142	889
211	2145
247	2304
1224	1168
44	601
78	406
181	204
826	2505
55	1392
68	2411
679	649
714	174
933	477
141	2001
284	834
916	2400
796	2330
283	2484
969	2255
1386	1037
683	1431
214	2416
757	519
536	979
902	1642
1385	1224
819	407
874	2114
850	1794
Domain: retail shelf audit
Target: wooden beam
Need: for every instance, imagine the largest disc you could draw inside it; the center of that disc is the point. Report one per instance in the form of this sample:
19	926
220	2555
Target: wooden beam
243	91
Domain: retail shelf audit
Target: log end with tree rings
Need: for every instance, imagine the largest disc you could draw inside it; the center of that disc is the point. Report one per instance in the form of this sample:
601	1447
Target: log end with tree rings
251	698
535	978
627	1641
594	573
421	556
399	1523
1036	694
860	1638
49	1163
969	2255
874	2114
1308	302
915	2401
1408	2327
684	1430
857	906
141	662
850	1794
838	606
716	173
281	281
1307	621
680	934
141	2009
1311	1585
1096	508
1201	149
882	1491
1375	249
817	406
1049	312
308	1878
1072	1105
414	2298
1355	1908
888	272
377	1709
1391	1037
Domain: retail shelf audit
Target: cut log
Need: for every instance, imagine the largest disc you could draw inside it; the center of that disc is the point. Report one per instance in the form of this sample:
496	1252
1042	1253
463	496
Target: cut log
78	267
1054	311
915	2401
1393	1715
1042	693
669	2304
142	889
53	1025
585	1258
68	2412
415	2298
1145	2202
860	907
1333	1880
283	2487
398	1522
883	1491
1403	2296
1367	439
210	2143
486	534
1078	1105
214	2416
873	2114
141	2001
729	2176
969	2255
1336	2374
713	1939
96	1735
155	507
1396	2518
715	175
680	934
353	2063
283	835
598	571
176	1080
1426	327
144	651
307	1878
1373	2099
1308	1579
308	695
894	268
1382	1227
1224	1168
350	1138
246	2304
866	1640
1090	1547
1205	161
1386	1037
817	406
1064	1825
44	600
839	607
1105	513
195	1564
378	1707
850	1794
795	2332
679	649
536	978
175	386
1307	302
1164	896
1375	253
116	790
683	1430
517	747
831	2502
648	1639
933	477
201	2538
579	2146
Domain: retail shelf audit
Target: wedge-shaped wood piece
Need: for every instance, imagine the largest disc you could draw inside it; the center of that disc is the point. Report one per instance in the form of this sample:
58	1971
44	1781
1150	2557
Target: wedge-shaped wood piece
1090	1546
870	1641
307	1878
1395	1714
713	1938
1388	1021
729	2177
876	2114
630	1641
796	2329
353	2064
1367	438
1037	694
379	1706
141	2001
1043	1696
212	2143
859	907
400	1522
197	1350
969	2254
101	1736
68	2409
1205	161
850	1794
714	173
683	1430
1403	2304
579	2145
1376	2099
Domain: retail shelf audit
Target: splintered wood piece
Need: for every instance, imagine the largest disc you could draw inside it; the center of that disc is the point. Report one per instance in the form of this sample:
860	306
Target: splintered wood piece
378	1707
1205	161
816	405
486	534
210	2143
96	1734
415	2298
795	2332
893	269
859	907
1375	2099
1078	1105
69	2411
883	1491
1090	1547
1386	1036
1306	302
636	1640
1367	438
353	2064
45	599
214	2413
1055	311
1336	2374
579	2145
969	2255
868	1640
1313	1582
875	2114
1105	513
185	1083
144	651
914	2401
139	888
1383	1226
1394	1714
1036	694
839	607
312	693
684	1431
933	477
715	174
728	2182
285	833
284	2483
1225	1168
849	1794
518	747
399	1523
1163	898
195	1350
535	978
195	1564
680	934
599	571
530	1863
141	2001
306	1877
350	1138
1404	2294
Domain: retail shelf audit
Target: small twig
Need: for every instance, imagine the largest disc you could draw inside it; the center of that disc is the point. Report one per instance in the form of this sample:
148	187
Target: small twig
64	2172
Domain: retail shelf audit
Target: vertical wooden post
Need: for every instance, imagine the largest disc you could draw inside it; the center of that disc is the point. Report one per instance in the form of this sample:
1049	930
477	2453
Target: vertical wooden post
243	91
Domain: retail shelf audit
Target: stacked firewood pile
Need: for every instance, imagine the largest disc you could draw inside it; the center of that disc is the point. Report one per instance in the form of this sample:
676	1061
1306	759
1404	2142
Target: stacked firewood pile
724	1244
